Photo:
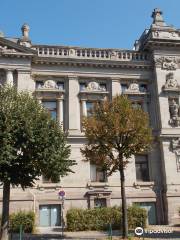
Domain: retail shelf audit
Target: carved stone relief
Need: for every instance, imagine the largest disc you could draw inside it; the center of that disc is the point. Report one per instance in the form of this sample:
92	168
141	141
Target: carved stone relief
171	82
167	63
94	86
5	49
49	85
176	149
166	35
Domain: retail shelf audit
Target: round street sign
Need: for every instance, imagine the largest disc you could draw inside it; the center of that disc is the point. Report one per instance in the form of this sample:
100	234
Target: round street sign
61	193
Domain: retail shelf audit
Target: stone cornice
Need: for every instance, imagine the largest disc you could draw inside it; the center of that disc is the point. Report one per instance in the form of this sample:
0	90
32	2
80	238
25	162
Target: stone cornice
92	63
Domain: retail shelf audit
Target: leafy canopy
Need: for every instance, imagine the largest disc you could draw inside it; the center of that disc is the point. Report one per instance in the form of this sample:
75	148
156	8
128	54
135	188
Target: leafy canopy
31	143
115	131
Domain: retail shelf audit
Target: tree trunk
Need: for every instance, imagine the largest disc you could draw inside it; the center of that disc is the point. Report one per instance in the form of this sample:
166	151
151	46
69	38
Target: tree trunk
5	211
124	206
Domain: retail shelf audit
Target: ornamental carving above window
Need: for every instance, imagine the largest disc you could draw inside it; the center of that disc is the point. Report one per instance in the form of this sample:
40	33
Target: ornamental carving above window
94	86
49	85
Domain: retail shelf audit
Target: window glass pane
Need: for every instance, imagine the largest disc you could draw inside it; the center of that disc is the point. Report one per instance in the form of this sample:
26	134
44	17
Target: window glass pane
53	115
89	106
142	169
103	86
82	86
124	87
49	105
137	105
99	202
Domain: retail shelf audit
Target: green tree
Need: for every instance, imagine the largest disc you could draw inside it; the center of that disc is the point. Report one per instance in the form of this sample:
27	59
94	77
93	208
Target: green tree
31	144
115	131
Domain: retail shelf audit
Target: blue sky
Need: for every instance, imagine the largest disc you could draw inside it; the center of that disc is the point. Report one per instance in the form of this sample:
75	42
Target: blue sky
86	23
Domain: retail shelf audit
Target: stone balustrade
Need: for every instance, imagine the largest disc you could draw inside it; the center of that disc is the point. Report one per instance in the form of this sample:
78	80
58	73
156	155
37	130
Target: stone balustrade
90	53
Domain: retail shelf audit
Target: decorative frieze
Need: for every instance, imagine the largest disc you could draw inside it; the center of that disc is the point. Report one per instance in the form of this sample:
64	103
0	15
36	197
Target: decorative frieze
166	34
49	85
6	49
167	63
94	87
175	143
135	88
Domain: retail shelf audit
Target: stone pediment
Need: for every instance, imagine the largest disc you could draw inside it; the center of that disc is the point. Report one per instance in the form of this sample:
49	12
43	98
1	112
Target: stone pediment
8	47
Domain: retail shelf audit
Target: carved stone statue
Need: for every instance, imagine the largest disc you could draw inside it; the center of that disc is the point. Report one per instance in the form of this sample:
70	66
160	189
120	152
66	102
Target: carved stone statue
174	109
158	17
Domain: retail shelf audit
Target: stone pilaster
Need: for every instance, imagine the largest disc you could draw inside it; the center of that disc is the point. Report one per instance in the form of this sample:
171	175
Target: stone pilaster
116	87
74	105
9	77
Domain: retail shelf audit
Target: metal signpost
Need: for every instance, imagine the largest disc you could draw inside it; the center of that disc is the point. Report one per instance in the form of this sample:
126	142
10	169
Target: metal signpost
62	194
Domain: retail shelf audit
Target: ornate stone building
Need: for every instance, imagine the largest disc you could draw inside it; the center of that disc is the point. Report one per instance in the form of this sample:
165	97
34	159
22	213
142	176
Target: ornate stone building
67	80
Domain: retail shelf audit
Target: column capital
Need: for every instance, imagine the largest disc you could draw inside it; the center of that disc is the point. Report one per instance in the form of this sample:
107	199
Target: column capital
115	79
71	77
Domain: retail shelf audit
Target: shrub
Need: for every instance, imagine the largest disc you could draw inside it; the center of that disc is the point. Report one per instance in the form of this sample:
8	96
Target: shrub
136	217
26	219
100	218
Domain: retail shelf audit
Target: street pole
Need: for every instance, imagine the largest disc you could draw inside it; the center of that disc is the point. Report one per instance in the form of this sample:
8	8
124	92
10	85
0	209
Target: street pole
62	216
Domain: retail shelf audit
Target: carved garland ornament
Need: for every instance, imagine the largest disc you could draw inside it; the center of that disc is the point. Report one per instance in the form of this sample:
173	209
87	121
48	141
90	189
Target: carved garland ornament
167	63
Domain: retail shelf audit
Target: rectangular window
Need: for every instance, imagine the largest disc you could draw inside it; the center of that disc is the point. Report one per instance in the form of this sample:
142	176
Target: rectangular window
124	87
60	85
97	174
89	106
51	106
39	84
137	105
143	87
100	202
48	180
142	168
82	86
103	86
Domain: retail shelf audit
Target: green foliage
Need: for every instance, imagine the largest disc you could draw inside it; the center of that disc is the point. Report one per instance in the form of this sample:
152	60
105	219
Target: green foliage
100	218
31	143
26	219
136	217
115	132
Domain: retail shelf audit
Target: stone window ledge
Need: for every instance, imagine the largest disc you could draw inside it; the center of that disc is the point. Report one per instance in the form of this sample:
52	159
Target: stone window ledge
97	184
143	184
48	186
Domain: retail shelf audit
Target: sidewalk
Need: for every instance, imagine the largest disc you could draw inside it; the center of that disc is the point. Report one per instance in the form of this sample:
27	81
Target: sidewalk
53	234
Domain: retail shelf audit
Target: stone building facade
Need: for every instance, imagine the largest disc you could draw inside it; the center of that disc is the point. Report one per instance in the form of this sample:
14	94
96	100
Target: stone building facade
67	80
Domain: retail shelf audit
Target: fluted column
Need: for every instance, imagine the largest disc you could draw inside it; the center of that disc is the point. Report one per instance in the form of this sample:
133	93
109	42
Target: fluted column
60	111
84	108
9	77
